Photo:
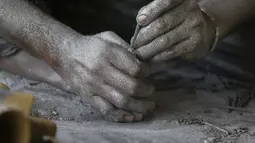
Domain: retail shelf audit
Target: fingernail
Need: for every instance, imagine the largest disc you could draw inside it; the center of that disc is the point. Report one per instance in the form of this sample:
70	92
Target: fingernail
142	19
129	118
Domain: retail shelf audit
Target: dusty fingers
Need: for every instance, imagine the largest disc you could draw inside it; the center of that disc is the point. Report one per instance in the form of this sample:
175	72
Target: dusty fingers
109	71
112	113
179	31
153	10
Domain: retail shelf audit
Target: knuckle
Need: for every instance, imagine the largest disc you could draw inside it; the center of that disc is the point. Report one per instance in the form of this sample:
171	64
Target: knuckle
118	99
95	67
107	112
122	102
163	41
195	40
133	87
168	3
103	53
135	69
161	24
196	22
109	33
94	83
198	38
96	64
197	35
89	78
194	19
171	3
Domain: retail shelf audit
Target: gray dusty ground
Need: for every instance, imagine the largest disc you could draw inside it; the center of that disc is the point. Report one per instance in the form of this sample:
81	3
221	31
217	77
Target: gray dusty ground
179	118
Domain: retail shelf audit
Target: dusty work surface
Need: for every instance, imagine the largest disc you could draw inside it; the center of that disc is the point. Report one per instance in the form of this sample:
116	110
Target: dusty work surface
184	115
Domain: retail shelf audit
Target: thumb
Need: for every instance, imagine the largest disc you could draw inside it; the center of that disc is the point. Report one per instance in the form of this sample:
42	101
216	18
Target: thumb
154	9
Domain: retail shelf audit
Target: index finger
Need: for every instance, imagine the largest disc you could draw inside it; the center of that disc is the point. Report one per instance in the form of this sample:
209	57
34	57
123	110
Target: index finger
154	9
128	63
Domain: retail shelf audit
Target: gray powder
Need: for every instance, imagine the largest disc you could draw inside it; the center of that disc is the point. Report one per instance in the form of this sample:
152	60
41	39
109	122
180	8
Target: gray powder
79	123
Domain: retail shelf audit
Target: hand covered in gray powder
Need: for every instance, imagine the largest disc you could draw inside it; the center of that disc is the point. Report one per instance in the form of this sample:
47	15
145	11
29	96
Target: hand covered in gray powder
172	28
102	66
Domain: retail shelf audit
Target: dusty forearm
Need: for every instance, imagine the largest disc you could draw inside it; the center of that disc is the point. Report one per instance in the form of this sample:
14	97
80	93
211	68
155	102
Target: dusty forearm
31	29
229	13
32	68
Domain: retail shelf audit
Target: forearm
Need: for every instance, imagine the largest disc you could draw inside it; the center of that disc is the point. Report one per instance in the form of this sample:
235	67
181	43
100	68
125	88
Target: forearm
32	68
25	25
229	13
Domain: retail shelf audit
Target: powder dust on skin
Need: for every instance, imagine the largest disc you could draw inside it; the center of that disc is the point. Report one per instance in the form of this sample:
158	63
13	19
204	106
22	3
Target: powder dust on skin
40	29
175	28
105	69
89	70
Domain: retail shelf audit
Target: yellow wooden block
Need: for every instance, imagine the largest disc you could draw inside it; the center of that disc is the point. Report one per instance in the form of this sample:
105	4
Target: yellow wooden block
14	115
3	86
14	126
20	101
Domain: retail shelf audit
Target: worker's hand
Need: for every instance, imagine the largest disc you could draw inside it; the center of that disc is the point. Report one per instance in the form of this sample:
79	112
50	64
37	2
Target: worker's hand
102	66
172	28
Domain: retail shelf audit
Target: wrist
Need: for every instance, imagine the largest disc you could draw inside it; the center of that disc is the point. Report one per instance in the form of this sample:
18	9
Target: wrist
62	52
